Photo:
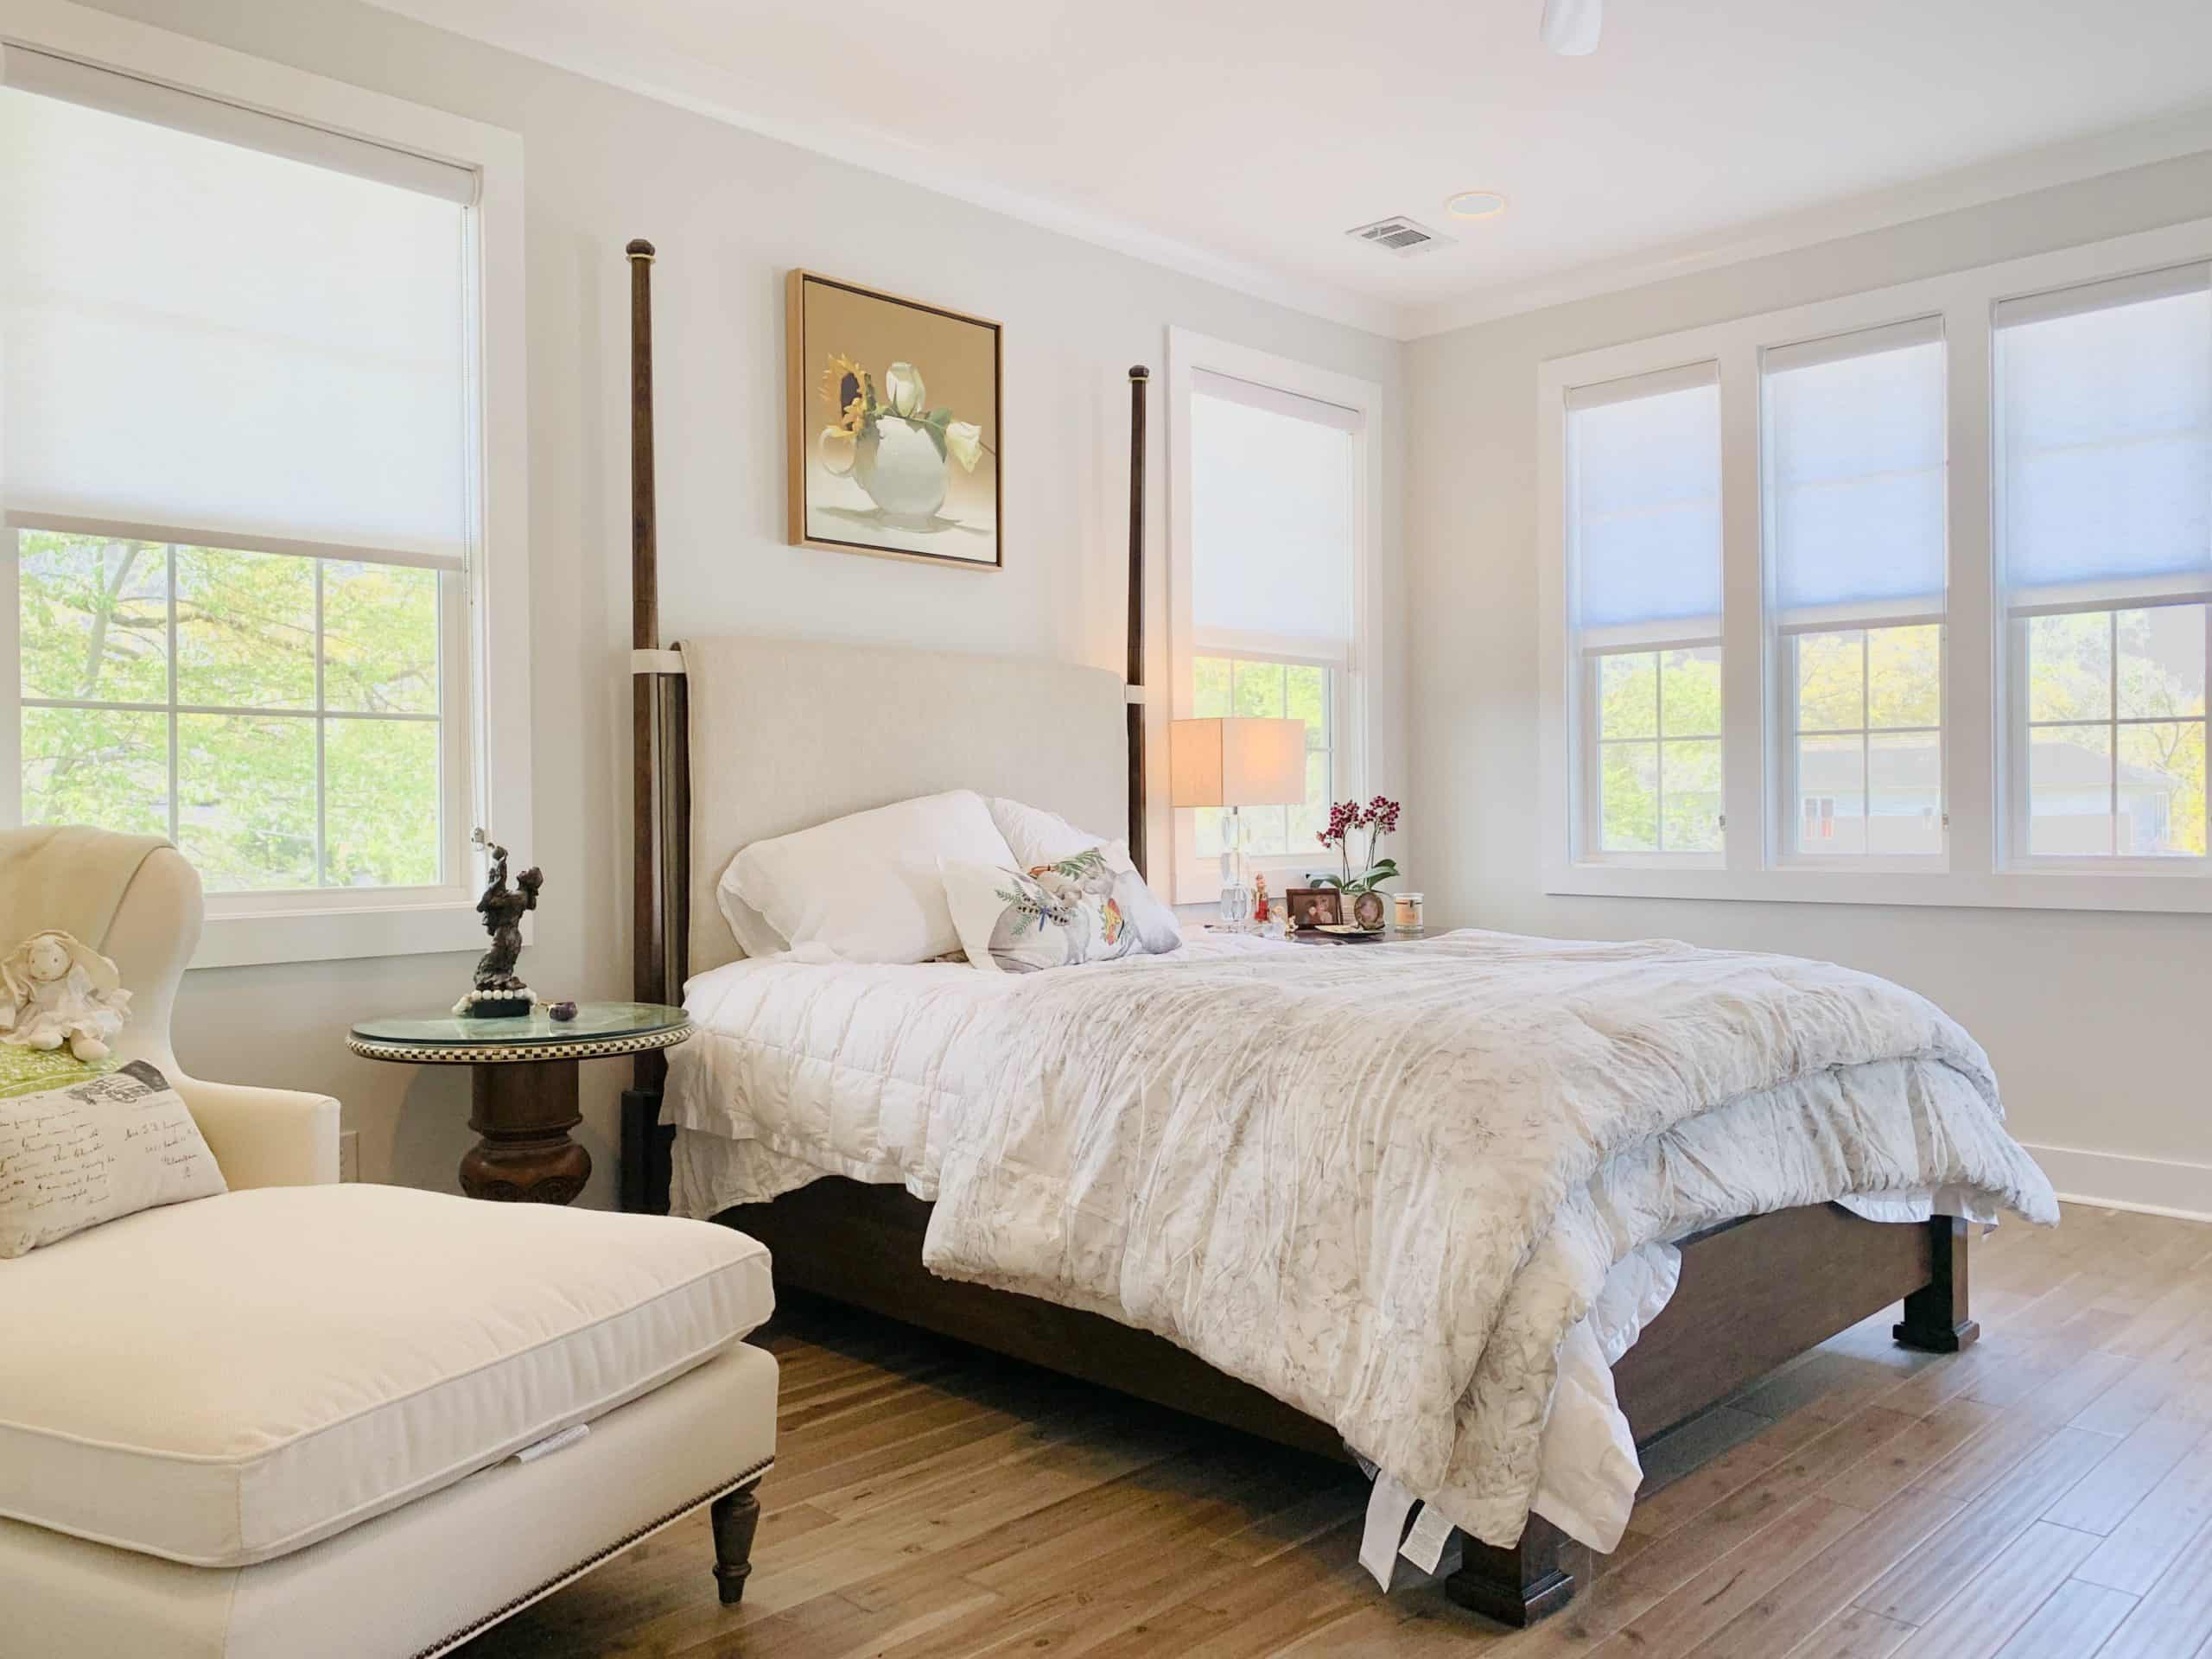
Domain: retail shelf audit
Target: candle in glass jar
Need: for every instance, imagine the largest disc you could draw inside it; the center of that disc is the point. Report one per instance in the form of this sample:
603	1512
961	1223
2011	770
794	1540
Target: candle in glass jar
1406	912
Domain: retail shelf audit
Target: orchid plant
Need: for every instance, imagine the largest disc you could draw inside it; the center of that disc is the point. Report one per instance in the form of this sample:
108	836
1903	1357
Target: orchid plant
850	391
1379	817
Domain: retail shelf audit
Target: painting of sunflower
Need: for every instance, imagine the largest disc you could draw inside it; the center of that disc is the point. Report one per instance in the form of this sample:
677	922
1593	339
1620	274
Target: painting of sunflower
894	425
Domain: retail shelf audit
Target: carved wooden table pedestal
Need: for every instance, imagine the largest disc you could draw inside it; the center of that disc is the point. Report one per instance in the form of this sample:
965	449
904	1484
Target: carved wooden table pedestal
522	1093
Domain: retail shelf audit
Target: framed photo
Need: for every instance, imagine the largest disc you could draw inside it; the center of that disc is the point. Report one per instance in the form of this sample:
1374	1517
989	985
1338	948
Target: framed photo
1313	906
894	414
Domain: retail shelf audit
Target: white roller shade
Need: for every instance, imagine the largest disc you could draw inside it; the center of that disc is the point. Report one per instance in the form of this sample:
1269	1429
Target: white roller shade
1275	495
1643	506
1855	450
2104	410
212	342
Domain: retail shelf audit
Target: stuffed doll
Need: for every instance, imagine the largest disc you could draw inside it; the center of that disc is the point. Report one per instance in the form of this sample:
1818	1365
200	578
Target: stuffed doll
54	990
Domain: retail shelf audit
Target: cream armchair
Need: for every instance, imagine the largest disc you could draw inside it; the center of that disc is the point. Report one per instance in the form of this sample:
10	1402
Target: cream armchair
137	899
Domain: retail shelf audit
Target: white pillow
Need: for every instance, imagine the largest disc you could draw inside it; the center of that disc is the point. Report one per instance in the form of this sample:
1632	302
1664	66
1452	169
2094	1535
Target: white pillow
1036	836
107	1144
866	886
754	937
1090	907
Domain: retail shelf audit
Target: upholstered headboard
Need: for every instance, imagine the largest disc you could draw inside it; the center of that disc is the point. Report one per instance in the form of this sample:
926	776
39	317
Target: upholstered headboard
786	733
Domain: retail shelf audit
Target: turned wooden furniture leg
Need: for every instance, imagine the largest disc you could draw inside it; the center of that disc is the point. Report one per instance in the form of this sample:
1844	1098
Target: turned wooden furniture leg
1935	1316
525	1110
735	1516
1516	1586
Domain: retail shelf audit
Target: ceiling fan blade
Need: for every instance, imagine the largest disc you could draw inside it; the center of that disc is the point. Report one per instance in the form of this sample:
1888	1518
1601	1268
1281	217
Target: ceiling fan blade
1570	27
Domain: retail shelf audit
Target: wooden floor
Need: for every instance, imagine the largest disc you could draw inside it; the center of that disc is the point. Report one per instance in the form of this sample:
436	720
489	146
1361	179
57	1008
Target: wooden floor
2047	1493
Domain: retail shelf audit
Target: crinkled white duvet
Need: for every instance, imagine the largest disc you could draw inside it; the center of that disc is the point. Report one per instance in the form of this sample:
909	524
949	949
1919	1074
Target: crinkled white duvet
1381	1184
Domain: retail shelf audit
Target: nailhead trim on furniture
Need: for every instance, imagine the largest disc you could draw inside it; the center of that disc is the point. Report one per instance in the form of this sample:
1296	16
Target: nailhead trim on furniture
582	1048
447	1644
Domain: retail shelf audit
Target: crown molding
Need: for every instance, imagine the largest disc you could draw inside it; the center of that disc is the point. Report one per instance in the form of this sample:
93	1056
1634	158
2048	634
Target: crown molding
551	35
554	34
2165	139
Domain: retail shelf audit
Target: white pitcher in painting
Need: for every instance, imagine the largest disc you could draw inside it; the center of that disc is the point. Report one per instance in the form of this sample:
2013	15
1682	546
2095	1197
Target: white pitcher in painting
893	445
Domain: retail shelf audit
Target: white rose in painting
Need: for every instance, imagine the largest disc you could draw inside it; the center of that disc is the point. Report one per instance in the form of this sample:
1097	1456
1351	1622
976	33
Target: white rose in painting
964	441
902	384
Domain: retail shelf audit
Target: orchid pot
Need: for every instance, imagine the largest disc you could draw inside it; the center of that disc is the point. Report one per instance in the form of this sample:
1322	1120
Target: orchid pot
1363	900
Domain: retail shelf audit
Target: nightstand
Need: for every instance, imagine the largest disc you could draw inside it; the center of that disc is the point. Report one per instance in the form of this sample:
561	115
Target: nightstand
1388	936
523	1090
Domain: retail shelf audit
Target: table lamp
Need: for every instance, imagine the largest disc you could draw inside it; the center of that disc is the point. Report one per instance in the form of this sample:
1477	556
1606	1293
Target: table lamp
1235	763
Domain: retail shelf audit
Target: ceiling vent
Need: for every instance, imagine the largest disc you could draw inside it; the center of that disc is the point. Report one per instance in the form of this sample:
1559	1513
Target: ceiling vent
1399	235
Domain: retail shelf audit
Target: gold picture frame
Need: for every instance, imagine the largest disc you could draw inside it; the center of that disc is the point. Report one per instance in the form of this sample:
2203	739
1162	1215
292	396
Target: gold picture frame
893	414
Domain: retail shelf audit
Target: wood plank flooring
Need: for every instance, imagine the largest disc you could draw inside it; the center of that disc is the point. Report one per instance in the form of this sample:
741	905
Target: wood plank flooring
2045	1494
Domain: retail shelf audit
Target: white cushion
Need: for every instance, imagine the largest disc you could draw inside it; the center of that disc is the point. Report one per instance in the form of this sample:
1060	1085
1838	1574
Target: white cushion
1089	906
223	1382
864	886
407	1582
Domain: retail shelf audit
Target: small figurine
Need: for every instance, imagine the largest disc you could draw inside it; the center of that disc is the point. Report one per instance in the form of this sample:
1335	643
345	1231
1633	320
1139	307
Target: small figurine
1259	911
499	992
58	989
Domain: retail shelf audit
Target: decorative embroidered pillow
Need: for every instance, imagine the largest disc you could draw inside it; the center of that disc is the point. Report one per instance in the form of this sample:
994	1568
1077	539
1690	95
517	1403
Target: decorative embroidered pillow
83	1144
1090	906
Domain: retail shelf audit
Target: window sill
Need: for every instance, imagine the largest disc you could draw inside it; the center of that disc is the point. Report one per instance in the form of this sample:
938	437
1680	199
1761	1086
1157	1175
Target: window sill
2181	892
243	939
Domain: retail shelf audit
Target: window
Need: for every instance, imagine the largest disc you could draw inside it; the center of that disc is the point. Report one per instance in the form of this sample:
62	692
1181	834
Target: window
1951	541
1223	686
246	485
1270	463
278	717
1643	527
2104	420
1852	460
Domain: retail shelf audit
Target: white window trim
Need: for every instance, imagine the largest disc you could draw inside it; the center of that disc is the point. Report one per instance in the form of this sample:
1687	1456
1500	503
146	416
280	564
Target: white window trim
307	926
1974	695
1193	881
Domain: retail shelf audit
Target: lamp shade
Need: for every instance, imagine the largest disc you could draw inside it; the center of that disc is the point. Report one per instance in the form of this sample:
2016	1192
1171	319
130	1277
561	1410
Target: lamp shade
1236	762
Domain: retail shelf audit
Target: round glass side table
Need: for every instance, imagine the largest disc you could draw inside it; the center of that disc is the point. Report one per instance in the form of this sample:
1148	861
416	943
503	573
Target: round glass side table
523	1085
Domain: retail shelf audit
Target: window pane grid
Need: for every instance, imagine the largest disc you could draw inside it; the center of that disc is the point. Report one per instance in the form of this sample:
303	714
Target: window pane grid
253	772
1867	760
1657	787
2100	781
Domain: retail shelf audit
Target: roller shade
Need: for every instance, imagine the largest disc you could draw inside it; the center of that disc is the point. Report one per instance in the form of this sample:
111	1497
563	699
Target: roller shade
1274	499
225	328
1855	447
2104	412
1643	506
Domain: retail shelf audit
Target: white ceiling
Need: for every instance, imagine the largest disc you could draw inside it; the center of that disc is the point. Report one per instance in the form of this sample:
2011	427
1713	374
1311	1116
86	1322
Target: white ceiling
1240	138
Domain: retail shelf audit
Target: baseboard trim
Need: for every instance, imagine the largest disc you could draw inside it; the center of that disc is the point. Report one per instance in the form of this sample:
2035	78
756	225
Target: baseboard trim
2155	1186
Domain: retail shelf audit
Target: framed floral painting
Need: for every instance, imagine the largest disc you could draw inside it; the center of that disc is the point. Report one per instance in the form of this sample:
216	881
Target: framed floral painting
894	425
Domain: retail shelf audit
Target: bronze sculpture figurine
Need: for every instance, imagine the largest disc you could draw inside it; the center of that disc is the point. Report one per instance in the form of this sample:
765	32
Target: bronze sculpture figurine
498	990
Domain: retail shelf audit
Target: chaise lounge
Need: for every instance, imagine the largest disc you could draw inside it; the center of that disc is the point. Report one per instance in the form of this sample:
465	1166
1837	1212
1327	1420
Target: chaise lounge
285	1420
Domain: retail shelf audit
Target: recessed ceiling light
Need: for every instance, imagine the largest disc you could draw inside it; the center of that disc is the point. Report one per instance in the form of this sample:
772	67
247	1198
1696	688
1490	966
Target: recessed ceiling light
1475	204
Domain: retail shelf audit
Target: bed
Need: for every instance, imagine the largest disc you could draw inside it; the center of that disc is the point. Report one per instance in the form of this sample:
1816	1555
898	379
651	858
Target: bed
741	739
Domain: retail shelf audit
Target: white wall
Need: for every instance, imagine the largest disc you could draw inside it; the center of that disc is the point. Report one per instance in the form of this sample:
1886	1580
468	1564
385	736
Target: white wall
730	212
2096	1022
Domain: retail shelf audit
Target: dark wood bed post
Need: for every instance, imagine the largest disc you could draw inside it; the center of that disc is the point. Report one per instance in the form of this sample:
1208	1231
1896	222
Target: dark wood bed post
1139	378
654	704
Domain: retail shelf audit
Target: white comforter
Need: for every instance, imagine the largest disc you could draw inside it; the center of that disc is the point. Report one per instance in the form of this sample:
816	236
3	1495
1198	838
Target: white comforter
1381	1184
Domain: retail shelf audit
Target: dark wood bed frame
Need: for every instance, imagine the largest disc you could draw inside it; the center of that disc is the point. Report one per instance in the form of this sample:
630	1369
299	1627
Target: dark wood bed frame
1754	1292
